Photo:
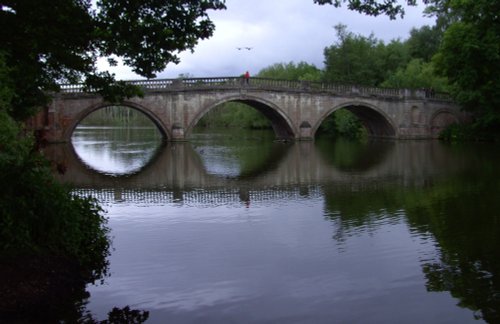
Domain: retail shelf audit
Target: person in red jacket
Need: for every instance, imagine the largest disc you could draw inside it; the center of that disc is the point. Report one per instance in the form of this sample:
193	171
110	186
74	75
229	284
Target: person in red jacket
247	77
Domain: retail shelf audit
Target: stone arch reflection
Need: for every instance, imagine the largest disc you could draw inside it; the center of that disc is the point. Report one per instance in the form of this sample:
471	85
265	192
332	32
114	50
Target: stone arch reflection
175	165
240	159
359	156
178	167
116	140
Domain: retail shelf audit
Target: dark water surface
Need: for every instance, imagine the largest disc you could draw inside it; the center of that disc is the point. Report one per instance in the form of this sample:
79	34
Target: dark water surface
235	228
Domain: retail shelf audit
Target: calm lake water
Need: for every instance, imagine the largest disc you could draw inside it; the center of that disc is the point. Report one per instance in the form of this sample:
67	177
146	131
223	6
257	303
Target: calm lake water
235	228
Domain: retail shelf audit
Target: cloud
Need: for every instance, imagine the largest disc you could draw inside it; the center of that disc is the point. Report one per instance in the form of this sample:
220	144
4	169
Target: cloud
278	31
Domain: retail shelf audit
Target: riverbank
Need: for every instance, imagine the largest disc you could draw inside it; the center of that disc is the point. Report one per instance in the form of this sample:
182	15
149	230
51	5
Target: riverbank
40	289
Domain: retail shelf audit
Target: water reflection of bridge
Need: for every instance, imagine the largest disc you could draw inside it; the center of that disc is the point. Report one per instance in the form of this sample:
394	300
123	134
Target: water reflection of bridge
178	173
211	198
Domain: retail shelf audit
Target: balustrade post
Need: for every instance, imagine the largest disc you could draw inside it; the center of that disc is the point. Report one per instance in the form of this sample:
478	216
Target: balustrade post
405	93
305	85
178	83
421	93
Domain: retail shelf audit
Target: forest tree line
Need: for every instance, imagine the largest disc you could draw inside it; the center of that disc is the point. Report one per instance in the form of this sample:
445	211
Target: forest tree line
353	59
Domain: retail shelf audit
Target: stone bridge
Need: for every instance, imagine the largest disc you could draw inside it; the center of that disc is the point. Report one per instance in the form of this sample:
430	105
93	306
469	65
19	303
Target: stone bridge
296	109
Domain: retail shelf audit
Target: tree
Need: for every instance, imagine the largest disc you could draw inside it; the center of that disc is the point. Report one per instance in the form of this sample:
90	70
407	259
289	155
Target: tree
234	115
301	71
390	57
424	42
357	59
468	54
43	226
48	42
391	8
417	74
349	60
470	57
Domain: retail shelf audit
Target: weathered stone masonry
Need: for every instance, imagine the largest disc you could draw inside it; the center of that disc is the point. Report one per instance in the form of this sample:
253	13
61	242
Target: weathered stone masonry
295	109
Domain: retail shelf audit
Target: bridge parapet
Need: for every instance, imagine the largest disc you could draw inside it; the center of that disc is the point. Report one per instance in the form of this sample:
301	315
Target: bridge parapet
214	83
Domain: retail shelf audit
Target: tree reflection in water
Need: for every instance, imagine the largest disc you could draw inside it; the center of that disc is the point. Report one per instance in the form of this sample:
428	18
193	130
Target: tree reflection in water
461	218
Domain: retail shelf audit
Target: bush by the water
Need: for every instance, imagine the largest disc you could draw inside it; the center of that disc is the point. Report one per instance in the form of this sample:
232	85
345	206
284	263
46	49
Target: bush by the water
39	216
471	132
342	123
234	114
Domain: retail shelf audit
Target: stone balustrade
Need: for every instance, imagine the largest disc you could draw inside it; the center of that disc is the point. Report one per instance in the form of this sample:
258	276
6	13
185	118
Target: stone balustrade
180	84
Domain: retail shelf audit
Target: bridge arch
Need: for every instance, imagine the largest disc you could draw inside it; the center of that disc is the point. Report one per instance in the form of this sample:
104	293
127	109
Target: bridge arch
84	113
441	119
281	123
376	122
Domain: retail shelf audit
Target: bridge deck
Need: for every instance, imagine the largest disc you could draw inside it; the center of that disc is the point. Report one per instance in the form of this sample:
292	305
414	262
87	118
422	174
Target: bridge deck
271	84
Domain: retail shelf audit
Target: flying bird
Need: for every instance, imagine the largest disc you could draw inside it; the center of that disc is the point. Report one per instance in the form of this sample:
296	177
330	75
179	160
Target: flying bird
242	48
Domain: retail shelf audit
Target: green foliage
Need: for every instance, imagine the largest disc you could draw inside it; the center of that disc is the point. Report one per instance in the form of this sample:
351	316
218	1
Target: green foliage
45	43
6	92
342	123
301	71
14	149
116	116
13	146
126	315
391	8
470	57
392	56
424	42
350	60
464	46
356	59
458	133
468	54
417	74
49	42
234	114
39	216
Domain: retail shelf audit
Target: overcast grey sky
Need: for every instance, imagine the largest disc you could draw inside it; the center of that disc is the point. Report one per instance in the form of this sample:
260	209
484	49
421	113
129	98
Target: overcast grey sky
278	31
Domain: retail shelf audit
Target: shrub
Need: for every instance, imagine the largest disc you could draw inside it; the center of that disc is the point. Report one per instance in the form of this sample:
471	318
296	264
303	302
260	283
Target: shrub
471	132
39	216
